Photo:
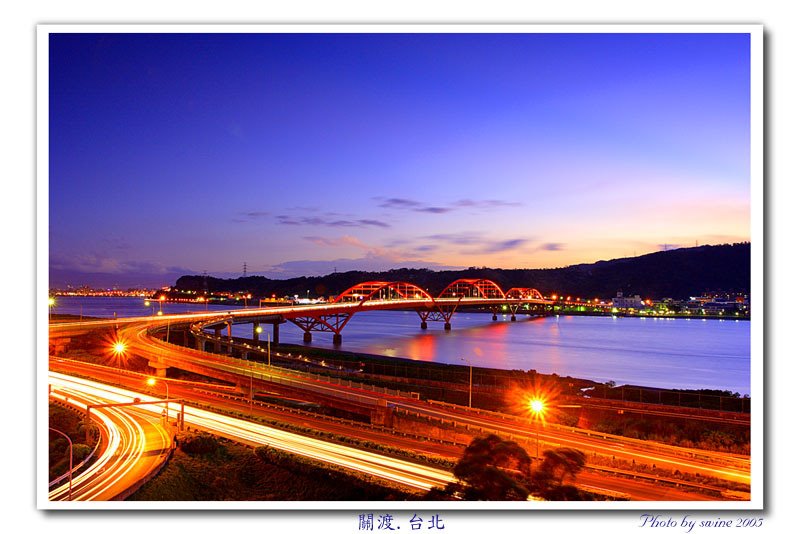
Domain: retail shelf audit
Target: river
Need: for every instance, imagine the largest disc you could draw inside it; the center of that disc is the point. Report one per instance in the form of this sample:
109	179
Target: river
657	352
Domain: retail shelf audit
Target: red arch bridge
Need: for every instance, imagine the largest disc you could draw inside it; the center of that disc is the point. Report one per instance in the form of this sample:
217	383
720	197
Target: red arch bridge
333	316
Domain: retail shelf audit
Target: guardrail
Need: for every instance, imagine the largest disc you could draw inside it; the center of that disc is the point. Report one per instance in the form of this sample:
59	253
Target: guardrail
78	467
298	374
697	454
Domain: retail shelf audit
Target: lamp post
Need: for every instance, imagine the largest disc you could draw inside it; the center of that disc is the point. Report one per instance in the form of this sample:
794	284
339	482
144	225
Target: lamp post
470	380
50	303
537	407
269	353
152	382
70	459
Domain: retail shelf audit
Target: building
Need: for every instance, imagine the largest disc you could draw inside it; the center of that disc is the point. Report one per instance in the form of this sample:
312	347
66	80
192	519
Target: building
622	302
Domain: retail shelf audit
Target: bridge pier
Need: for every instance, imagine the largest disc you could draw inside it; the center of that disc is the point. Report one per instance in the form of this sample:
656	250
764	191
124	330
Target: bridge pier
513	317
424	325
306	337
494	317
337	339
447	326
160	368
275	332
217	335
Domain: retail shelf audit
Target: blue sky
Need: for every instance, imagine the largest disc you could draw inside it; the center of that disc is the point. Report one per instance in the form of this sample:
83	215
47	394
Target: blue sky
304	153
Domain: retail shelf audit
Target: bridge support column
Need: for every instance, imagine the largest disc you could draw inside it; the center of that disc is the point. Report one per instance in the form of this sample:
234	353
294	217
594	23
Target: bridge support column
160	368
199	344
255	331
337	339
447	326
424	325
494	317
275	333
186	337
230	338
513	317
217	335
306	337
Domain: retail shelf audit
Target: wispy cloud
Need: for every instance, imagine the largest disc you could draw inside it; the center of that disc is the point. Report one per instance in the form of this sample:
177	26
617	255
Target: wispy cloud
422	207
477	242
503	246
463	238
370	263
334	223
250	216
551	247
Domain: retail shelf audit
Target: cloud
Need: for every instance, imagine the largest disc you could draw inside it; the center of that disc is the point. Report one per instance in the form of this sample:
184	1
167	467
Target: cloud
334	223
250	216
433	209
502	246
467	203
551	246
99	270
421	207
344	241
463	238
369	263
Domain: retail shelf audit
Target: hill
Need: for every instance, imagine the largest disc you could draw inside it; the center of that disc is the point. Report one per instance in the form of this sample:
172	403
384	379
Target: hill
679	273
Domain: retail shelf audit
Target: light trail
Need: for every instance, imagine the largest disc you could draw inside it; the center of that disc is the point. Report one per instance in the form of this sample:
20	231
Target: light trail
120	464
388	468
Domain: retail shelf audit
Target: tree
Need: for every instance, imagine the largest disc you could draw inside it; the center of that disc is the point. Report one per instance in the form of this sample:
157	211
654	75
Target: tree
492	469
557	466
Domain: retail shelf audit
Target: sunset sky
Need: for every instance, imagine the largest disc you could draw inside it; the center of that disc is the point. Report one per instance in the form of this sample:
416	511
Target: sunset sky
299	154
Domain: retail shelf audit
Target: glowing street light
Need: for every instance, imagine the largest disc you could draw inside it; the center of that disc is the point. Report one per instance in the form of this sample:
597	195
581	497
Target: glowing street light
537	408
50	303
118	349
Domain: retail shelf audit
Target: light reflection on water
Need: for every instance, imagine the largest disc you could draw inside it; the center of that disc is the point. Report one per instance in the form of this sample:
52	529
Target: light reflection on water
673	353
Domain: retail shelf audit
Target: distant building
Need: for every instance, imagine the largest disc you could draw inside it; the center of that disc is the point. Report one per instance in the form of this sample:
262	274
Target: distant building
623	302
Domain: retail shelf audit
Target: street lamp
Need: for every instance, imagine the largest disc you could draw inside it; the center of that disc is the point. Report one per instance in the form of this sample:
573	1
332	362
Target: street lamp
537	408
118	348
470	380
152	382
50	303
70	459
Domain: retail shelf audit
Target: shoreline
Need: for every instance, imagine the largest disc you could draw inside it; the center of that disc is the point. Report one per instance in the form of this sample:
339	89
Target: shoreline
610	383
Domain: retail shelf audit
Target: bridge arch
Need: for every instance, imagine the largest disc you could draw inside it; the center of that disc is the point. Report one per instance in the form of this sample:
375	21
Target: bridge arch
384	291
524	293
473	287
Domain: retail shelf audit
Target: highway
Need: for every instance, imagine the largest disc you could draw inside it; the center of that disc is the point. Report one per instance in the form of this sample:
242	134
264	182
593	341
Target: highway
224	399
730	467
135	443
136	332
385	467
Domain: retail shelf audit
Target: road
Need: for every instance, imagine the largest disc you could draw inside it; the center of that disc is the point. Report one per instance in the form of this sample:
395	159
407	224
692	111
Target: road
223	398
135	444
381	466
136	331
